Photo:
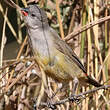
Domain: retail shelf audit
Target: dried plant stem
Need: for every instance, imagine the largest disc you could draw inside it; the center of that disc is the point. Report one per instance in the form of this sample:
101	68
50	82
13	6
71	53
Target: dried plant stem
3	39
43	86
23	96
108	62
90	60
83	33
21	49
96	35
90	54
106	41
90	51
105	60
59	19
81	95
85	27
41	93
20	77
19	26
2	47
32	86
42	2
24	2
72	22
12	4
8	22
18	56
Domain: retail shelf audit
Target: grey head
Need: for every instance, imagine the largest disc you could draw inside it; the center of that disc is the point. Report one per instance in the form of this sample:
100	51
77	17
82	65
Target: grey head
34	17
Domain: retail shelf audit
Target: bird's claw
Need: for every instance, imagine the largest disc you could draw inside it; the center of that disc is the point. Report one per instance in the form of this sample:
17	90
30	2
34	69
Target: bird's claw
75	99
52	106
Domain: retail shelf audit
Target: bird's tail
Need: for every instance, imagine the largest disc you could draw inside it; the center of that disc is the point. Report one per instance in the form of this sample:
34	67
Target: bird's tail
93	82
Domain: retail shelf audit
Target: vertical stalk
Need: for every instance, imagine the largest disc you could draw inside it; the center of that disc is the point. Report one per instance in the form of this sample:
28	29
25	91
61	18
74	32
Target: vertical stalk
59	19
95	29
90	18
42	2
71	22
2	48
106	52
3	39
8	22
106	41
24	3
83	34
19	27
90	54
109	51
96	34
84	16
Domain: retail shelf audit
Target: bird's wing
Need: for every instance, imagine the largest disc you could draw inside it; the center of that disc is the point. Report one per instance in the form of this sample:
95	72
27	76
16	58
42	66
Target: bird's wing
65	49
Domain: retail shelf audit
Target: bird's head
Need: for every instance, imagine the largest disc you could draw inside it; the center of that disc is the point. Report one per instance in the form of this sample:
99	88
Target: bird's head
34	17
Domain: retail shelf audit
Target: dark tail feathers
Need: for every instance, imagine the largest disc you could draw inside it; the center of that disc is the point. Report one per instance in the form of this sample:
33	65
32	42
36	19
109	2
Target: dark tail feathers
93	82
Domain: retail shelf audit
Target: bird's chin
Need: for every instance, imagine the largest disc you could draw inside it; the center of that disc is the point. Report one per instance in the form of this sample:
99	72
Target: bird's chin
25	20
30	26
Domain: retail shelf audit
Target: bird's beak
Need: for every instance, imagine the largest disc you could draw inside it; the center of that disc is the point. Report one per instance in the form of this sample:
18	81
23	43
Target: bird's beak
24	11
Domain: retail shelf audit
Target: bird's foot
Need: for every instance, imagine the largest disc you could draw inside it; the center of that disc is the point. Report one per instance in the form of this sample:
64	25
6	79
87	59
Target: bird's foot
75	98
50	105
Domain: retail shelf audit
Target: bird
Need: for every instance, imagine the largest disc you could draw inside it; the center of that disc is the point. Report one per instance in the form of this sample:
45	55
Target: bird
52	53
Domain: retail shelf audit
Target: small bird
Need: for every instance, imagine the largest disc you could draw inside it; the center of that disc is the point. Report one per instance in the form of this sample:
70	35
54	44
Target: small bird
53	54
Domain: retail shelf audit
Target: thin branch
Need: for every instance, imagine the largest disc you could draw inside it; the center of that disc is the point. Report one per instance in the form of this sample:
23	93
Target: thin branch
75	98
3	39
12	4
84	28
20	76
59	19
8	22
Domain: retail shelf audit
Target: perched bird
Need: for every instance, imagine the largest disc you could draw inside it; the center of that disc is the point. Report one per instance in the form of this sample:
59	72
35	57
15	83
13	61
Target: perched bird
53	54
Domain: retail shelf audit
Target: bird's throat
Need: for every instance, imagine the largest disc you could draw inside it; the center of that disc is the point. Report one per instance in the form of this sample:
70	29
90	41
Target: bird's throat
40	41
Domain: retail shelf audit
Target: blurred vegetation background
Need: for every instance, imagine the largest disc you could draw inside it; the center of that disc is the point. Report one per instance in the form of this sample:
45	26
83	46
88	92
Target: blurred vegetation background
73	20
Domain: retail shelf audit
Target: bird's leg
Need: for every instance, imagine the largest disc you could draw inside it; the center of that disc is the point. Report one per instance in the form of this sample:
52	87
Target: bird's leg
76	81
73	97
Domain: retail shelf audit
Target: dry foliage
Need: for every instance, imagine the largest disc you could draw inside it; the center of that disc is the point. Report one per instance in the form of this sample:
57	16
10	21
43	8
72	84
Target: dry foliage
84	25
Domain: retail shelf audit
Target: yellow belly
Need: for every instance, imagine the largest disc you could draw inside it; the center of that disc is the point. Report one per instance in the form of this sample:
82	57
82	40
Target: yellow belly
59	67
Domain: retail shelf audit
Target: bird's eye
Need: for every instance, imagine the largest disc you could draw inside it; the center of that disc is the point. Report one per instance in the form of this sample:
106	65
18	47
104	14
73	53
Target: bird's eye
33	15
